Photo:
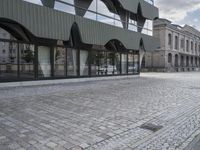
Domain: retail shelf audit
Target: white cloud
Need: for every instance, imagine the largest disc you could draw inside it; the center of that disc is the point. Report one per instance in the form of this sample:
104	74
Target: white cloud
176	10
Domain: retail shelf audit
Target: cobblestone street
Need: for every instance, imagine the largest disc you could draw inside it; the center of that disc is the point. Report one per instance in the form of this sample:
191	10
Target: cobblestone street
103	115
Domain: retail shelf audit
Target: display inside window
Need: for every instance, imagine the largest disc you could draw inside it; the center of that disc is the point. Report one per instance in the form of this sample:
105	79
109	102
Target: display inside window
60	57
136	63
72	67
94	63
84	63
124	63
102	63
26	60
117	63
130	63
44	63
8	60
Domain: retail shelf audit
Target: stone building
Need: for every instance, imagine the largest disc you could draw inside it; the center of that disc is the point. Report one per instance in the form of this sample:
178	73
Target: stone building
179	48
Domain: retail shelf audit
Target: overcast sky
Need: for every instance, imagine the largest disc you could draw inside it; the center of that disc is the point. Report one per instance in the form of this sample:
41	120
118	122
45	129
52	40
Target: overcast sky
180	11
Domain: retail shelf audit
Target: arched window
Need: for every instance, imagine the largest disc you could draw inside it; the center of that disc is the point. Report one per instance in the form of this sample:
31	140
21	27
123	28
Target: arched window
5	35
192	60
195	47
176	60
169	39
169	58
192	46
187	45
182	61
196	62
187	61
176	42
182	43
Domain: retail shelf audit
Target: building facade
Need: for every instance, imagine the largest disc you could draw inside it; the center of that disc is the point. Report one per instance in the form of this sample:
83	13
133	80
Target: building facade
52	39
179	48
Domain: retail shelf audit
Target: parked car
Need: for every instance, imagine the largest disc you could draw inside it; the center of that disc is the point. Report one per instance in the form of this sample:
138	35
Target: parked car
109	69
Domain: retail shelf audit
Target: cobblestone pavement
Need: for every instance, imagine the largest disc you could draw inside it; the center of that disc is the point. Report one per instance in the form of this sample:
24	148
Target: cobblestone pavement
103	115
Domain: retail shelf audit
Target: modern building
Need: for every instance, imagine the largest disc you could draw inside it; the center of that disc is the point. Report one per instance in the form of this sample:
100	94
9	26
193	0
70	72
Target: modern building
179	48
52	39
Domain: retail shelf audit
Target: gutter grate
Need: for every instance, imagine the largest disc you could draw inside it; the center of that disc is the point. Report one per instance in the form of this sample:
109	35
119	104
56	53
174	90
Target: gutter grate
151	127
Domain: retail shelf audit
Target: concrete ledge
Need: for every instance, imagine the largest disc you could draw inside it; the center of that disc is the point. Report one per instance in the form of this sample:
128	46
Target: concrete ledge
62	81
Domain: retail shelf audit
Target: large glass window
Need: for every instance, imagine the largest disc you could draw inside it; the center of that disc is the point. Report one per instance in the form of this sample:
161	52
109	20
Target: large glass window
84	63
117	63
169	58
66	6
44	63
8	60
130	63
169	39
124	63
148	27
94	63
136	63
132	25
102	63
111	68
60	57
103	14
72	68
38	2
26	60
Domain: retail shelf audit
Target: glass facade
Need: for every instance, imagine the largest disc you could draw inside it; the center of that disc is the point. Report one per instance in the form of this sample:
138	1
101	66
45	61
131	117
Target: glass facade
102	64
72	65
44	62
60	66
101	12
130	63
8	64
29	61
124	63
117	62
94	63
84	63
136	64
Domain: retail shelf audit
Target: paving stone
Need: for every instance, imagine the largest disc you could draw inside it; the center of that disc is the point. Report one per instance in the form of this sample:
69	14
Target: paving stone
103	115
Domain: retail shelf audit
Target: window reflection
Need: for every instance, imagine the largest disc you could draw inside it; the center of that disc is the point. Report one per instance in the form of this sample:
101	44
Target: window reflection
102	63
8	60
72	67
84	63
124	63
117	63
60	61
64	7
148	27
130	63
110	67
38	2
26	60
44	63
94	63
136	63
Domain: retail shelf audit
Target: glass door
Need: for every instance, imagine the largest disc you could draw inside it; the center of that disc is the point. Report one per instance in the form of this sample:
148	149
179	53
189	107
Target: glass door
44	63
